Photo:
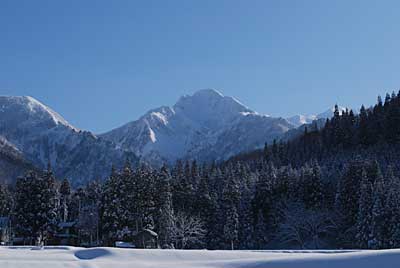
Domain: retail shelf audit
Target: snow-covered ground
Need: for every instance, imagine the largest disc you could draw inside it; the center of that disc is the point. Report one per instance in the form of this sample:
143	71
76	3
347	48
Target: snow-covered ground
53	257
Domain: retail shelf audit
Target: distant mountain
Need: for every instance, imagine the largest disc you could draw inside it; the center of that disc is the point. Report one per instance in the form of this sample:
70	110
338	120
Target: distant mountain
300	119
42	135
204	126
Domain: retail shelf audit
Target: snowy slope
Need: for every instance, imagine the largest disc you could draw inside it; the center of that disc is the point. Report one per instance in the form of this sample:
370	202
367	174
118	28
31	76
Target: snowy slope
42	135
204	126
54	257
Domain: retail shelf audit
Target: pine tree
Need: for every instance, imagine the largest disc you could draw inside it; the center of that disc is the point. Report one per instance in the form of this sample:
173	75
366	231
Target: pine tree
113	214
378	217
37	218
392	208
231	227
5	201
144	197
313	192
260	234
48	206
364	217
65	192
165	213
231	197
182	188
346	202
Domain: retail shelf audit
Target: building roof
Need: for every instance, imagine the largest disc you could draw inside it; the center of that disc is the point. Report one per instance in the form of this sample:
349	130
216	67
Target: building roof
67	224
148	231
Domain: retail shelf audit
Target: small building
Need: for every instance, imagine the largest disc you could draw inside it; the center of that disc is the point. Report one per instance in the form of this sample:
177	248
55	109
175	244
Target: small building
66	234
122	244
146	238
5	231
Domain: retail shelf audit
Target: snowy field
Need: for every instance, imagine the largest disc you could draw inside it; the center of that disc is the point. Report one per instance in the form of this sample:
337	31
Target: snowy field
53	257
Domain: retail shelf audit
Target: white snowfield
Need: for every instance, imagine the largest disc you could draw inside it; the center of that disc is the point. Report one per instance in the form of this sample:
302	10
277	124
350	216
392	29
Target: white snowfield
53	257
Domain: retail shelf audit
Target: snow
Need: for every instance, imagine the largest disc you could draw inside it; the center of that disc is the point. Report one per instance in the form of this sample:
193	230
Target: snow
192	127
161	117
54	257
121	244
40	135
35	105
152	135
300	119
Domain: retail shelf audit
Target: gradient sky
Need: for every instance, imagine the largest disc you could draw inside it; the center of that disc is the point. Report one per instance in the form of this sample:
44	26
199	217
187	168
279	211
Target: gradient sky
103	63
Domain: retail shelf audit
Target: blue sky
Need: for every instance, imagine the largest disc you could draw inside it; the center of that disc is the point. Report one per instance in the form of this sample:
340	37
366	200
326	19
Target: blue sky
103	63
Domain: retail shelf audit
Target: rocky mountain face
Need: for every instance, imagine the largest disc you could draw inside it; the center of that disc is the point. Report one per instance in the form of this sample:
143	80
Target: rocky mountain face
41	136
205	126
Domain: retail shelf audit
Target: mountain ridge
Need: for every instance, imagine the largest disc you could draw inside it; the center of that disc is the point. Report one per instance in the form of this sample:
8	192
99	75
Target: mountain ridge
205	126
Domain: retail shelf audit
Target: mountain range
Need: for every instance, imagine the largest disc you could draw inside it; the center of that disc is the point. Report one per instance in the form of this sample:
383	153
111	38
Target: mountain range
206	126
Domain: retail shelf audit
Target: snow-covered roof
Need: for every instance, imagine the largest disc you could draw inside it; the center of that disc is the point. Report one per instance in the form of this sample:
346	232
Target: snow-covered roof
66	224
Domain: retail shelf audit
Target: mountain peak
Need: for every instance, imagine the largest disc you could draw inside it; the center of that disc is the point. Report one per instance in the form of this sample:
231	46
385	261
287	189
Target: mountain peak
211	98
194	127
31	106
209	92
210	107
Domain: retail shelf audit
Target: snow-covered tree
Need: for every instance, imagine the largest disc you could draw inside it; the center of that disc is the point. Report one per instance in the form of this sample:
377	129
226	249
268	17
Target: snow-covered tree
65	192
36	207
364	217
5	201
187	231
164	214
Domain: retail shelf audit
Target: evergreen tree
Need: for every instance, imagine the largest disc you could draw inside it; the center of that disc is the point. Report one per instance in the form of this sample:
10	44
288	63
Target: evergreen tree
231	197
313	192
380	219
5	201
113	216
364	217
165	213
36	218
347	201
260	237
231	227
65	192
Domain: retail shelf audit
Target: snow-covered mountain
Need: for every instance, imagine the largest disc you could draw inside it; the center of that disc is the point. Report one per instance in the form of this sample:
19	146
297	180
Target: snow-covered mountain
204	126
42	135
298	120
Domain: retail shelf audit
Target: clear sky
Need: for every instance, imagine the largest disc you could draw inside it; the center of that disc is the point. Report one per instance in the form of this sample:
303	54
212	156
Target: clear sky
103	63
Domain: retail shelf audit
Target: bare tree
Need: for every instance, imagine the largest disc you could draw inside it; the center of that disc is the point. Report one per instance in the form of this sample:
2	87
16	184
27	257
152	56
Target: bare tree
187	230
306	228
